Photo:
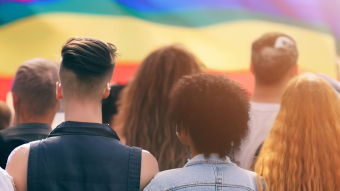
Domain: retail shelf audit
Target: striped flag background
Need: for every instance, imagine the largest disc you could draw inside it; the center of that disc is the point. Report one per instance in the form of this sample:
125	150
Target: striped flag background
219	32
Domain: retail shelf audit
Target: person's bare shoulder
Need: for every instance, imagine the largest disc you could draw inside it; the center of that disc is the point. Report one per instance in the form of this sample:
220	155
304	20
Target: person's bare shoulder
17	166
148	170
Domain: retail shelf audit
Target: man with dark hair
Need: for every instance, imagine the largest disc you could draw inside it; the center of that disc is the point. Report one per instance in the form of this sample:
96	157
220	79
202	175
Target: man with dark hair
274	64
210	114
82	153
33	95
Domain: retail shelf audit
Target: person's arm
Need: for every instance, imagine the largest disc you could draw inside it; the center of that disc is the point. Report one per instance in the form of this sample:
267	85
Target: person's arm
148	170
17	166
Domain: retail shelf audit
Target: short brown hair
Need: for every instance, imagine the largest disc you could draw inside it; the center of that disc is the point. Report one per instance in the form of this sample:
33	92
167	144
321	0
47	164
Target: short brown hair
213	110
87	65
34	84
273	54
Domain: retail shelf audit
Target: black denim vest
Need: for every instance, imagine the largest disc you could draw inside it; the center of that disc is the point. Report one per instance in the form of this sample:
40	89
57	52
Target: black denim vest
83	156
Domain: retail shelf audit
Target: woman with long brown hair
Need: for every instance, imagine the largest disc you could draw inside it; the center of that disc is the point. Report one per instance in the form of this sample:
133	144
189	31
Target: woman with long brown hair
302	151
141	119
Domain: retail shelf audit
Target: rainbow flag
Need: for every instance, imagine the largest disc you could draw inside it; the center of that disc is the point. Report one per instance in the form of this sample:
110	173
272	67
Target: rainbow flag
219	32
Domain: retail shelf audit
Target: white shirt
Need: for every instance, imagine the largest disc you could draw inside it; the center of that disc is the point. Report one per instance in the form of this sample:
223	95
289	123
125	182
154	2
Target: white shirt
262	117
5	181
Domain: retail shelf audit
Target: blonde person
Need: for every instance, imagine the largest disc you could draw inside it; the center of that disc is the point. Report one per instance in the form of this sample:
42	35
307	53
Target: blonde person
302	151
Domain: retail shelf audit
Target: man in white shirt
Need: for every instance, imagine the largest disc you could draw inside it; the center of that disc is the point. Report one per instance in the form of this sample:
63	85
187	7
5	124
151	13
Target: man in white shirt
274	64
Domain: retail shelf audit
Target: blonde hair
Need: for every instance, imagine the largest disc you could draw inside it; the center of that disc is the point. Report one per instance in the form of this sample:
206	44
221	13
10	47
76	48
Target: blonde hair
302	151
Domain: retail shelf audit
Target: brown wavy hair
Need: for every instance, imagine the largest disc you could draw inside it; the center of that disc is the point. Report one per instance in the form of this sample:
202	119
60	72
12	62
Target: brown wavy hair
302	151
141	117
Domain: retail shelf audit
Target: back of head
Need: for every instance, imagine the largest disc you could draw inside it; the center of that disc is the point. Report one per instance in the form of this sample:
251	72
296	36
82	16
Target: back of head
87	66
213	110
34	86
5	115
273	55
302	150
144	103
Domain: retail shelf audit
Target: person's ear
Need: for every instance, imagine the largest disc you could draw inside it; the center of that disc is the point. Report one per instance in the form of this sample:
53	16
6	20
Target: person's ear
106	91
184	137
15	100
58	91
9	102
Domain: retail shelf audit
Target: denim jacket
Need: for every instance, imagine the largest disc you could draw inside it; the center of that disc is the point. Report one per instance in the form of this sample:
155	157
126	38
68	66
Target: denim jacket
203	174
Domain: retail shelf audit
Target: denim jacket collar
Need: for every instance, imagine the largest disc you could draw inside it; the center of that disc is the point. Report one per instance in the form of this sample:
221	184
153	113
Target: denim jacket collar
80	128
212	159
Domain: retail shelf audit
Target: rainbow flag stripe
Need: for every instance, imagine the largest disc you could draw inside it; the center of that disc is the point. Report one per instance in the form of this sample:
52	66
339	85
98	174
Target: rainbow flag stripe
219	32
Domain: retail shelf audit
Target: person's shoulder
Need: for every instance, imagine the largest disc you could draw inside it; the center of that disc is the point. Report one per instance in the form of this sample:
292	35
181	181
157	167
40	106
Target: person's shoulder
148	157
169	173
149	163
245	177
166	179
149	168
19	153
17	166
7	133
240	170
255	180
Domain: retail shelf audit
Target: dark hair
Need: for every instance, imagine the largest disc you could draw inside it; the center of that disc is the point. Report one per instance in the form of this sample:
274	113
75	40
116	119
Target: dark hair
109	107
144	103
34	84
213	110
273	54
5	115
87	65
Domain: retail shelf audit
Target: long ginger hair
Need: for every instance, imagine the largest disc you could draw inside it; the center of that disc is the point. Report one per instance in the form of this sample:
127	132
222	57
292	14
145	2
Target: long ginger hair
141	117
302	151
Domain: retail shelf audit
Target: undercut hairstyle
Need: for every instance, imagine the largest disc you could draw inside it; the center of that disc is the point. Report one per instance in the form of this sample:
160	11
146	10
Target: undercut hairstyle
5	115
144	104
273	54
34	85
213	110
87	66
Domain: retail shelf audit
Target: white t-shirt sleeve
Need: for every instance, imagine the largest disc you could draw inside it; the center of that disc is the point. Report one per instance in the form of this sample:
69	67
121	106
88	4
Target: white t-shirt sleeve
5	181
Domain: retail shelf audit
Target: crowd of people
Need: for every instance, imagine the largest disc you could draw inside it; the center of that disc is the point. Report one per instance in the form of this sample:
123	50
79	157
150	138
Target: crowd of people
173	126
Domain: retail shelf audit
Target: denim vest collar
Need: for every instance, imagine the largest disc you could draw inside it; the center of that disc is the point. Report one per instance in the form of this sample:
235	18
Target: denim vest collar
80	128
212	159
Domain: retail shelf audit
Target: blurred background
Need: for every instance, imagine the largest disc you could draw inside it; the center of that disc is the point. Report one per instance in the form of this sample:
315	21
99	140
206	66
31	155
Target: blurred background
219	32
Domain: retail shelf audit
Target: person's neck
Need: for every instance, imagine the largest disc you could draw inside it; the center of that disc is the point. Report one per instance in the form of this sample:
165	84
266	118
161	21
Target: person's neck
47	119
268	93
194	152
83	111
